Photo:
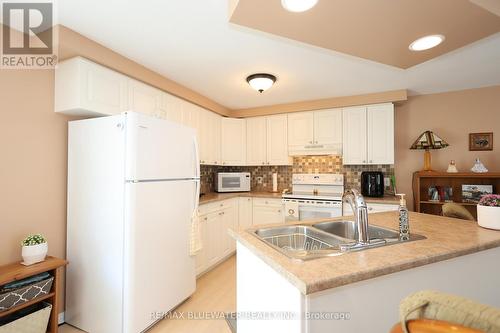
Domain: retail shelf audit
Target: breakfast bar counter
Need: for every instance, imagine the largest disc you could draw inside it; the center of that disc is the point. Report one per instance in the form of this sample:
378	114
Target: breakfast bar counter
456	256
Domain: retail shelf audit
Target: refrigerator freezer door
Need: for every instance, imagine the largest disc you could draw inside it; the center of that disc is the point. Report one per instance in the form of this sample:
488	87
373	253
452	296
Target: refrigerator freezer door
159	149
159	272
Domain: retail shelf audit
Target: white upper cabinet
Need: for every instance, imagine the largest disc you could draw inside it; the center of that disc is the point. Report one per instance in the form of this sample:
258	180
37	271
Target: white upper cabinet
145	99
315	132
174	107
83	88
380	134
300	129
256	141
234	138
277	140
354	133
210	138
368	133
328	127
267	141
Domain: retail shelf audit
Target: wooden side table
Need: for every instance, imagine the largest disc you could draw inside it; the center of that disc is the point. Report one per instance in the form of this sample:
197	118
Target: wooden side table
16	271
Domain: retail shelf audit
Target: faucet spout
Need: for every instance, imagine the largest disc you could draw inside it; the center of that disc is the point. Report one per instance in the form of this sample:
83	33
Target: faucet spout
360	210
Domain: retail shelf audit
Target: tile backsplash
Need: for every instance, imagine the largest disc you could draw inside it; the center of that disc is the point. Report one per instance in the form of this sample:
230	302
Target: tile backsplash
262	175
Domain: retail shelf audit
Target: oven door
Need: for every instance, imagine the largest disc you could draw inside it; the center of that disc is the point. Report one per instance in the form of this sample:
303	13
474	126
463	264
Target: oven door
321	209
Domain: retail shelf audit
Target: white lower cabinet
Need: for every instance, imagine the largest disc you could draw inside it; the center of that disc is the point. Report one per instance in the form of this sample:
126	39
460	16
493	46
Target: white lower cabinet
267	211
372	208
215	220
245	212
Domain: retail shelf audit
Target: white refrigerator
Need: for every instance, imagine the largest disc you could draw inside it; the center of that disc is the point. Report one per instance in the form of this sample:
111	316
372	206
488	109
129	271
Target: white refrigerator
133	186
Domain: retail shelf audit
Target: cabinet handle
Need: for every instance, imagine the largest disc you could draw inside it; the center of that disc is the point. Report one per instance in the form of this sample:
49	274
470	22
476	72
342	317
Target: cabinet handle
370	208
364	161
279	211
215	162
310	142
371	161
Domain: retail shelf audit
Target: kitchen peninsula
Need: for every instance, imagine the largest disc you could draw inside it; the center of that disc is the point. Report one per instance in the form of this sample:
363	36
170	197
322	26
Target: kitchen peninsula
361	291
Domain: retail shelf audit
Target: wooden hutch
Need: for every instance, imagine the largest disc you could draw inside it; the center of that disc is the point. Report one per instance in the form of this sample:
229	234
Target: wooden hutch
422	180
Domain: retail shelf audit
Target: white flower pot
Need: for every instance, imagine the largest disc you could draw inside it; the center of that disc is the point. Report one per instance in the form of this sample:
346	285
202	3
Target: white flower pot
488	217
34	253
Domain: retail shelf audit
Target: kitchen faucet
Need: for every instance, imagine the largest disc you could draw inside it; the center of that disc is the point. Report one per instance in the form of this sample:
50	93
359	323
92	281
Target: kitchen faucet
360	210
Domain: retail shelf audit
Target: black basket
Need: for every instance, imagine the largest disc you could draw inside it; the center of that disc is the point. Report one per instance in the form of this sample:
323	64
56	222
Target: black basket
25	294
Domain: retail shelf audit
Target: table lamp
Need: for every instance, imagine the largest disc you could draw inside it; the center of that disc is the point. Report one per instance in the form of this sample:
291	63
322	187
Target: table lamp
428	140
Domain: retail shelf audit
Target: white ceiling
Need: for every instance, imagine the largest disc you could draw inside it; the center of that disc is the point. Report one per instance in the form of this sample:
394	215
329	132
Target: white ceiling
191	42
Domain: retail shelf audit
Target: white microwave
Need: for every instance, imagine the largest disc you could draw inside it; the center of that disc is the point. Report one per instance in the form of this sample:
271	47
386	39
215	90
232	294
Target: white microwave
232	182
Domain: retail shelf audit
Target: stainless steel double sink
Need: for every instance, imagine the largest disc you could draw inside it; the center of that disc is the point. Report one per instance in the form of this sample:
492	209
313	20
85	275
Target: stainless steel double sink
323	239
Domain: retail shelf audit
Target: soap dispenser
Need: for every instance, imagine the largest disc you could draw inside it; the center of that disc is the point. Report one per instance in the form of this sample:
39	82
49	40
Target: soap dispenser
404	223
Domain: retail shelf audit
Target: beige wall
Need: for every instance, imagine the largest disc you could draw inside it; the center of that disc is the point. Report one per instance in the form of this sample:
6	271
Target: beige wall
452	116
33	142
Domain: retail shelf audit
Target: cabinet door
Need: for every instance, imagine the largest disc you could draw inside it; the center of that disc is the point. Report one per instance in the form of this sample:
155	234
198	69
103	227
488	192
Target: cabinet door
201	256
300	129
267	211
328	127
104	90
215	139
380	134
354	135
228	220
213	241
277	141
204	136
173	107
256	141
233	137
144	99
245	213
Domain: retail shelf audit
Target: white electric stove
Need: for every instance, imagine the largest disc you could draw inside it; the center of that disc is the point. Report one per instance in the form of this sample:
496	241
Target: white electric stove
314	196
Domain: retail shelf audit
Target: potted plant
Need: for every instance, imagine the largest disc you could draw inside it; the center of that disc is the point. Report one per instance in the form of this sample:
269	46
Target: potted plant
488	211
34	250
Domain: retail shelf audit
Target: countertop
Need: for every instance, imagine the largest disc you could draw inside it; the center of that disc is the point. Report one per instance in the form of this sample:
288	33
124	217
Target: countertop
214	197
446	238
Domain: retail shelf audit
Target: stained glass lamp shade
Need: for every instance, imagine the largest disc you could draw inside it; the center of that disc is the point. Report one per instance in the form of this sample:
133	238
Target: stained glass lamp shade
428	140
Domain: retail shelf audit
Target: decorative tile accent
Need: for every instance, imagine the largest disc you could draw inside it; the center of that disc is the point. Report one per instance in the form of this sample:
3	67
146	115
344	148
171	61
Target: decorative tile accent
262	175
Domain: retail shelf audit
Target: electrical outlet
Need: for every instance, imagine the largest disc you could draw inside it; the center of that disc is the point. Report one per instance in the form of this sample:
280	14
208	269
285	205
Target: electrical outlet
260	180
387	182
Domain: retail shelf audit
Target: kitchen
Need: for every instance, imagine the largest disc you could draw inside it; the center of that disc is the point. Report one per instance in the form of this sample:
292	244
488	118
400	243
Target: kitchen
277	158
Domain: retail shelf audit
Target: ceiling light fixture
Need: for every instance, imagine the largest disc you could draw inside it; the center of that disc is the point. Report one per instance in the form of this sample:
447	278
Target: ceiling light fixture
298	6
261	81
427	42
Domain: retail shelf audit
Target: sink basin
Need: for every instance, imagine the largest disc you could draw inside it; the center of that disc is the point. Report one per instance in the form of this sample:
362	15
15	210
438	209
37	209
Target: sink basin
347	229
300	242
331	238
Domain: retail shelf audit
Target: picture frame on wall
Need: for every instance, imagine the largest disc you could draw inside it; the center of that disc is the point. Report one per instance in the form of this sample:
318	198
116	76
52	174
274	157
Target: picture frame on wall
481	141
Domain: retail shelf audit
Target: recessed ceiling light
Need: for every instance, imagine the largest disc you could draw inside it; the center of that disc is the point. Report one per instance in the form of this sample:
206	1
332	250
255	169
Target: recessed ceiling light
261	81
298	6
427	42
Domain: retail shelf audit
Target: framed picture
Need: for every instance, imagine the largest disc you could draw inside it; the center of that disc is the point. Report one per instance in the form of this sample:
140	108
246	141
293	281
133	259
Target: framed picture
480	141
473	193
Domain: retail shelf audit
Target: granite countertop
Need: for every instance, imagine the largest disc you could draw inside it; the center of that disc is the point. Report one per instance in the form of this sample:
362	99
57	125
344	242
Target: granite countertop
446	238
214	197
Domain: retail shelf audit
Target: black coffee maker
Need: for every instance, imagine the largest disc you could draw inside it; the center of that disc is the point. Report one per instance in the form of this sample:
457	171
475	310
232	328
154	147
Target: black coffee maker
372	183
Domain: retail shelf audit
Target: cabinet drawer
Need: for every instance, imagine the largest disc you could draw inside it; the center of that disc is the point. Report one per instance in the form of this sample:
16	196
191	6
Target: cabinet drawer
372	208
216	206
267	202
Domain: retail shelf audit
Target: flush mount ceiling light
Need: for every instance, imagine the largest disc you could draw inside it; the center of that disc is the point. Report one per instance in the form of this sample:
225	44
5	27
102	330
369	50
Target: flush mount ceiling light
427	42
298	6
261	81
